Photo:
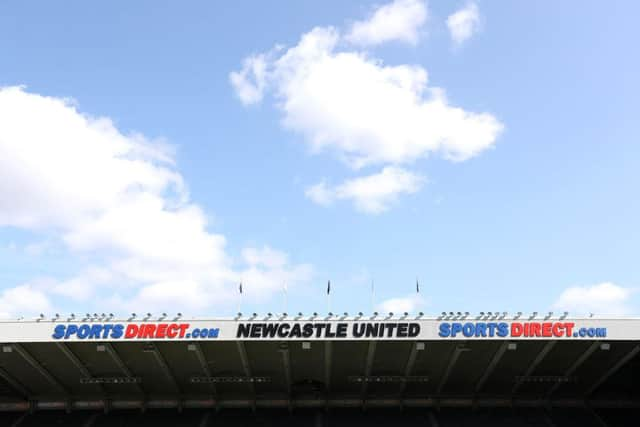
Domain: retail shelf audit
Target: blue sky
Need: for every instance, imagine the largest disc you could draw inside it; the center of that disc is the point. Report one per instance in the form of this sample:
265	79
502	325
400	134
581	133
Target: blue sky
494	156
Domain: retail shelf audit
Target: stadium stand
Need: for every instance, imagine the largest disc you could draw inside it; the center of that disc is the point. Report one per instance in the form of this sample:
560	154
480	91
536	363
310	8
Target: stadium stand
222	381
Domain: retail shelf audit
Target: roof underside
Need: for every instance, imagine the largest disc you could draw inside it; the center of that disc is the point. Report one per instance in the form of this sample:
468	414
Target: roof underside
237	374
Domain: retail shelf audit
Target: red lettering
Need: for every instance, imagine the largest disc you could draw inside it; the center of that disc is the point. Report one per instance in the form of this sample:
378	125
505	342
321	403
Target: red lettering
516	329
172	330
535	330
132	331
546	329
149	330
568	327
162	330
183	329
558	329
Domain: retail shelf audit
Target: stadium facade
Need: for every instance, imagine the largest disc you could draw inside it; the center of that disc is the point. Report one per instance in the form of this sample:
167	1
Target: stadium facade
453	370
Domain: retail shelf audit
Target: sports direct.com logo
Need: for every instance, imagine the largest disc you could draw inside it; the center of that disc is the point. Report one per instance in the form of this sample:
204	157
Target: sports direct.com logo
518	330
132	331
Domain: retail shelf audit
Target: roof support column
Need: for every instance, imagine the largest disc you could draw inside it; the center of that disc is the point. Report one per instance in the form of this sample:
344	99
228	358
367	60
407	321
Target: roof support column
371	353
38	367
626	358
164	367
286	365
492	366
408	368
532	367
197	349
452	361
121	365
433	420
19	421
76	362
15	384
583	358
244	360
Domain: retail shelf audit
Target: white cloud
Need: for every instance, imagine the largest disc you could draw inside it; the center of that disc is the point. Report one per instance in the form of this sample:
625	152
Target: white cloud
464	23
601	299
343	101
400	20
399	305
370	194
117	197
249	83
25	299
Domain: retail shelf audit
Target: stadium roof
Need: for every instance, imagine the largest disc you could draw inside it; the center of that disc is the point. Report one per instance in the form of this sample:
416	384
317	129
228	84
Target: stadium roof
106	363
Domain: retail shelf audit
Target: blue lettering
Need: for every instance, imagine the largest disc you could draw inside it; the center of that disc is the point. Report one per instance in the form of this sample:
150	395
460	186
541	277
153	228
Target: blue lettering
117	332
71	330
58	332
83	331
503	329
456	328
445	330
468	330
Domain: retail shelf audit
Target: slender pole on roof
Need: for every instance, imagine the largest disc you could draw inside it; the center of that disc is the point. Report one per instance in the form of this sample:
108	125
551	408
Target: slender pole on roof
286	298
329	296
239	297
372	297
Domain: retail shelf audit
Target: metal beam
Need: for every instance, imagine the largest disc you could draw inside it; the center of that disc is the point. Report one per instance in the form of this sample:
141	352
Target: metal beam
328	352
371	354
433	420
574	367
613	370
120	363
204	422
532	367
601	422
39	367
343	401
91	420
19	421
452	361
204	365
76	362
15	384
164	367
286	366
547	419
244	360
408	367
492	366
